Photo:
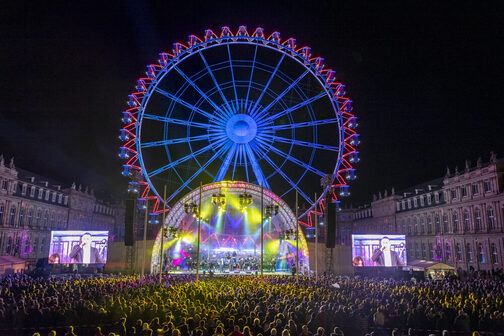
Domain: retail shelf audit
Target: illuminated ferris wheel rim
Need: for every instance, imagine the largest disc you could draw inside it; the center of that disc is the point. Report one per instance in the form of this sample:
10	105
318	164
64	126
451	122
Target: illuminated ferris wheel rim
333	90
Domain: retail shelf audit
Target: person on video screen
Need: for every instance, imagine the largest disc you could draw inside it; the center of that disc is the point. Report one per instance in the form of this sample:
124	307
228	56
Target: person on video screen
384	256
84	253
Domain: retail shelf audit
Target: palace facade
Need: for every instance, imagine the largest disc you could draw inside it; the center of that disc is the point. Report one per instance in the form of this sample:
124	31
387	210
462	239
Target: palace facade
456	219
31	206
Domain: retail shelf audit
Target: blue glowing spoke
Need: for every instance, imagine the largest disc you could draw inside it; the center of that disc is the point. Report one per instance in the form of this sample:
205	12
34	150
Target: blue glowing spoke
232	73
251	74
174	141
295	107
296	161
302	143
197	88
244	156
184	103
237	152
226	163
182	159
268	83
229	113
203	167
294	185
302	124
256	168
176	121
280	96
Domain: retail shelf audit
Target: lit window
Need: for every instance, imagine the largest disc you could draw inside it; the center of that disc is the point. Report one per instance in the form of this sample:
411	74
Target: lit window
481	253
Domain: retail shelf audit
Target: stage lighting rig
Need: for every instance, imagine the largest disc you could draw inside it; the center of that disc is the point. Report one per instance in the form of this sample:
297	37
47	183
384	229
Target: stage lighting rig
271	210
191	208
219	200
245	200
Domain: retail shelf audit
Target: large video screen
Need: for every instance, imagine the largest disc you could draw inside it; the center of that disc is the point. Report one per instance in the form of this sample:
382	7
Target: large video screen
378	250
78	247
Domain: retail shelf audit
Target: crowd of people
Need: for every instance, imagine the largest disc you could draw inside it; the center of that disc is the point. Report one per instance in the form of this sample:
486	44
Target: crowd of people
249	306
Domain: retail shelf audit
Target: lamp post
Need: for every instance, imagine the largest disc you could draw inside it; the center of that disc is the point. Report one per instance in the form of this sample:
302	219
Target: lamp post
316	239
297	239
145	235
162	237
195	211
199	233
269	211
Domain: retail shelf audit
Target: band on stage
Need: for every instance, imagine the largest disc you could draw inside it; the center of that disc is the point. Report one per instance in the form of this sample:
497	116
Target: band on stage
229	262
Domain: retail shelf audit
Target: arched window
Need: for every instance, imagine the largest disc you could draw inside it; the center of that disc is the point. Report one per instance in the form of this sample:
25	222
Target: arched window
447	251
12	216
481	253
494	254
445	223
21	217
467	225
491	219
458	251
469	253
8	247
477	219
455	222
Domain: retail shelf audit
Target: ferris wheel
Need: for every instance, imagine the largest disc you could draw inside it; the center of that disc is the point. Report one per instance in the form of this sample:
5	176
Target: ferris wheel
243	107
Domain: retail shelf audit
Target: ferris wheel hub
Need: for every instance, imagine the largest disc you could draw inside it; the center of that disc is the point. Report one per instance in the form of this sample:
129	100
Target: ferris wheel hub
241	128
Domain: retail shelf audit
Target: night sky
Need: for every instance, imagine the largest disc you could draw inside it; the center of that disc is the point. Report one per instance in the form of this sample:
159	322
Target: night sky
426	79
